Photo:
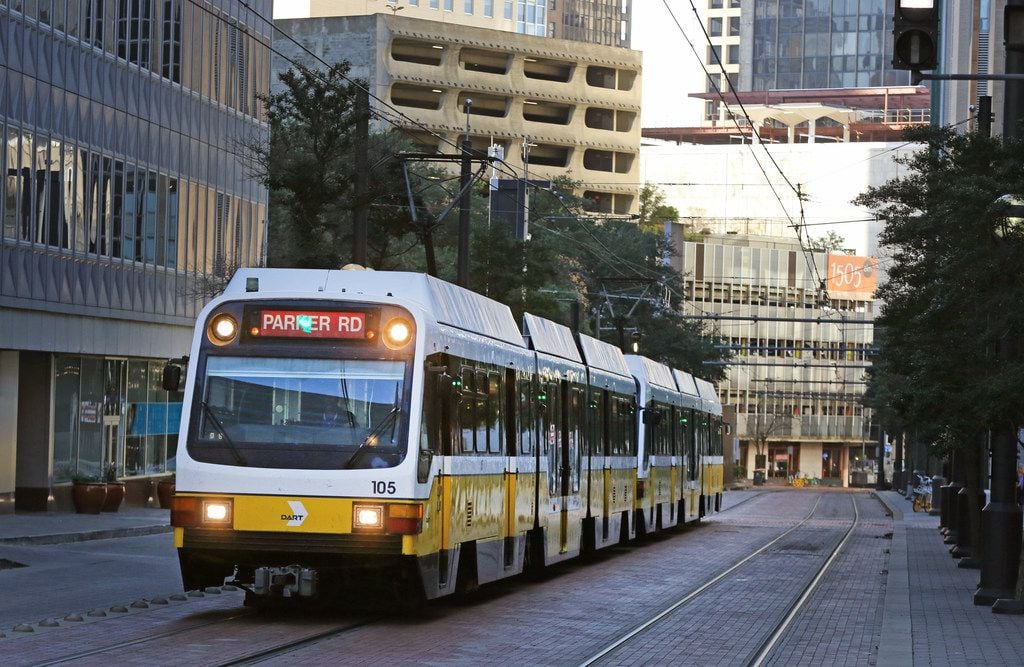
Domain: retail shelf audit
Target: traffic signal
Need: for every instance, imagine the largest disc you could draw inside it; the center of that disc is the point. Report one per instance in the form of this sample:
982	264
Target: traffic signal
915	32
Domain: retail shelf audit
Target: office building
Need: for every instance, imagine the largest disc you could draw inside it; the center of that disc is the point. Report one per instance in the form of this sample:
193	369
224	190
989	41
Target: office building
123	197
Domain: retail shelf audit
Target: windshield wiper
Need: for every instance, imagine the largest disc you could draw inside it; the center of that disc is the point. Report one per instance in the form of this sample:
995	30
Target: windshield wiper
239	459
370	441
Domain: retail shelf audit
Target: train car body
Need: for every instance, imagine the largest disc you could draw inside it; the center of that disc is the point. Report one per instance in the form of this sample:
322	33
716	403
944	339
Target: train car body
355	430
713	464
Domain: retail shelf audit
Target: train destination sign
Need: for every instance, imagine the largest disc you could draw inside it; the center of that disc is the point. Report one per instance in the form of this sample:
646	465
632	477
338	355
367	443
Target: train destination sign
311	324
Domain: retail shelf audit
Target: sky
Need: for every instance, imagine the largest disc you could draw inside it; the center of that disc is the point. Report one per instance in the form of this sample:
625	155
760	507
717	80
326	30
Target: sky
671	70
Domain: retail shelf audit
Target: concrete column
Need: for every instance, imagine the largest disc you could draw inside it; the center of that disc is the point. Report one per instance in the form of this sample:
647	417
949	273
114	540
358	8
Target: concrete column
790	133
8	428
35	441
812	127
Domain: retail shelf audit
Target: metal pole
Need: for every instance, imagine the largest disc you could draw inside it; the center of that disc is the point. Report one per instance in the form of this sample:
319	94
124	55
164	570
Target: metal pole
462	273
359	219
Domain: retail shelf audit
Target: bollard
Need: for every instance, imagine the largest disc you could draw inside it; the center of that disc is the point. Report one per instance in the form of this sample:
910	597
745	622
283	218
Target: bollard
962	545
949	504
936	510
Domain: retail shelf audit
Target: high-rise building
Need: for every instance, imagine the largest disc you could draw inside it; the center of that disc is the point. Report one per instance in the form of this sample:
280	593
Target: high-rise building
604	22
122	197
555	107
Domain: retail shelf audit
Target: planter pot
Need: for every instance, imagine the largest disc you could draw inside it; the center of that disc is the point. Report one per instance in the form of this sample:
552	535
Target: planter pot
88	497
115	494
165	492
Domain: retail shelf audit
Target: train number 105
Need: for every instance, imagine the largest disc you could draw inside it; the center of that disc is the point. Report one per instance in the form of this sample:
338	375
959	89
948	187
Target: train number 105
382	488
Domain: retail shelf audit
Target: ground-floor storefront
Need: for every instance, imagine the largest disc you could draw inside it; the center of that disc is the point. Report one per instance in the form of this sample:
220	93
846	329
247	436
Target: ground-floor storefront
827	463
81	396
80	416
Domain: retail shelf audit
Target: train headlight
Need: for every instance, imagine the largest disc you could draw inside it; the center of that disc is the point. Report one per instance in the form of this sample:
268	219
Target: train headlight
367	518
217	512
397	333
223	329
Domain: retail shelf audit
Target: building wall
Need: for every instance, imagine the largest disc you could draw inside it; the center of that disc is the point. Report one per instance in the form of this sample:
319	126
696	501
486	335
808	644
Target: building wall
595	21
722	188
577	105
818	44
122	193
800	354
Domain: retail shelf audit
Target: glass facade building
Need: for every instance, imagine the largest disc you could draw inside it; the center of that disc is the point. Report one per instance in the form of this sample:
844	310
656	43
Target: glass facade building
123	193
822	44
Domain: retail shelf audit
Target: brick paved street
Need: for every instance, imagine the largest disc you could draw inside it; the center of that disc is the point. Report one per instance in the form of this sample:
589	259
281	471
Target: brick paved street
920	613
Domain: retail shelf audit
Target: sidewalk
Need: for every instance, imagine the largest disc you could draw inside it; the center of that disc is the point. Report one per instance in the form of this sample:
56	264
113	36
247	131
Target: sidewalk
62	527
929	615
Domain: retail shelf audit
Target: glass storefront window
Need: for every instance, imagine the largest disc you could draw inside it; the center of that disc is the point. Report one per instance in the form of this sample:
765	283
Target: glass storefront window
112	410
68	413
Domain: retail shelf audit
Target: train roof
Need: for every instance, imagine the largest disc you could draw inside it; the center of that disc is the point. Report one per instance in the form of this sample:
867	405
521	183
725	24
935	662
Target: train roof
603	356
449	304
550	337
707	392
655	373
687	383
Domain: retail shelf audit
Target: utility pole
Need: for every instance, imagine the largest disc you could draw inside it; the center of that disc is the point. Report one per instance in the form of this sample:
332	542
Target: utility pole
359	221
462	272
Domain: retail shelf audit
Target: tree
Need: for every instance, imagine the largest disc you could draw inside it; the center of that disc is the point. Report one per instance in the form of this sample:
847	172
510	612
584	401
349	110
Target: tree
828	242
950	362
309	166
654	213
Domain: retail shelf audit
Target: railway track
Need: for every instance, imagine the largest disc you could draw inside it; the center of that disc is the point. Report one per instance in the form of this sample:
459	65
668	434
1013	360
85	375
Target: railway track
733	578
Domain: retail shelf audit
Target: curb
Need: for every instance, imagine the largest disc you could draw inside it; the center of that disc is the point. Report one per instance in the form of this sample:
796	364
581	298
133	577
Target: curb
66	538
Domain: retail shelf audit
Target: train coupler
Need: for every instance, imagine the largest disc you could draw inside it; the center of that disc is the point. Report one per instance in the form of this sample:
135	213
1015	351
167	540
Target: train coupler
289	581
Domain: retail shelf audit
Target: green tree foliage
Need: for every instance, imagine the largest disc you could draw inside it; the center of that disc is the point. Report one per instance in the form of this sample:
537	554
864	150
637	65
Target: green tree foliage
614	268
951	360
829	242
654	213
310	169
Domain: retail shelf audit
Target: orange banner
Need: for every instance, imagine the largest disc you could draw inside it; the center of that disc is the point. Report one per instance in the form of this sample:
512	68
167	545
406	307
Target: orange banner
852	275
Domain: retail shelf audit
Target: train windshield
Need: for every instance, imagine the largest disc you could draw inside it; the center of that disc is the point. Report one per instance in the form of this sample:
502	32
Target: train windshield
300	413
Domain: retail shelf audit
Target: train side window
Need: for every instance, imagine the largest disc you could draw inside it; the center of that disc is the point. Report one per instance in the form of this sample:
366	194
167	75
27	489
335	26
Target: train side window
494	420
510	415
525	414
693	444
480	407
467	402
577	419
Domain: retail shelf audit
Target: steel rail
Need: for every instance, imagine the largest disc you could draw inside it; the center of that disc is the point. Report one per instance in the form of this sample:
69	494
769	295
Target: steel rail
284	649
759	656
142	640
694	593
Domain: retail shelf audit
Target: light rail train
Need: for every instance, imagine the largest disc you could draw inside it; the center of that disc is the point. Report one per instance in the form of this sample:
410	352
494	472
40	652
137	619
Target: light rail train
348	431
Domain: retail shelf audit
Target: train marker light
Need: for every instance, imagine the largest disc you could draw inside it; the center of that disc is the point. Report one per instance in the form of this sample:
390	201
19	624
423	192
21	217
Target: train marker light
223	329
404	519
185	511
397	333
367	518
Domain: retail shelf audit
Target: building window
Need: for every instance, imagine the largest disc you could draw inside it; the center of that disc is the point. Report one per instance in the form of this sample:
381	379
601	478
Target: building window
449	5
508	9
732	54
715	26
714	54
734	26
469	6
489	8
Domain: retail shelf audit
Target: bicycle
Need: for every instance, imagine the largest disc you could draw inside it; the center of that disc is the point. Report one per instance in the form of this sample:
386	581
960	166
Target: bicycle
922	493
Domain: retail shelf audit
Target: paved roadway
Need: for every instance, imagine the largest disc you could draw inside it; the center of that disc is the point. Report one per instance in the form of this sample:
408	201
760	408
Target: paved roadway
565	618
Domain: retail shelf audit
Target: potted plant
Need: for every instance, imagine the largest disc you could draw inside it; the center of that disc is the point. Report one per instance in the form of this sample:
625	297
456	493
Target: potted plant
115	488
88	493
165	491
